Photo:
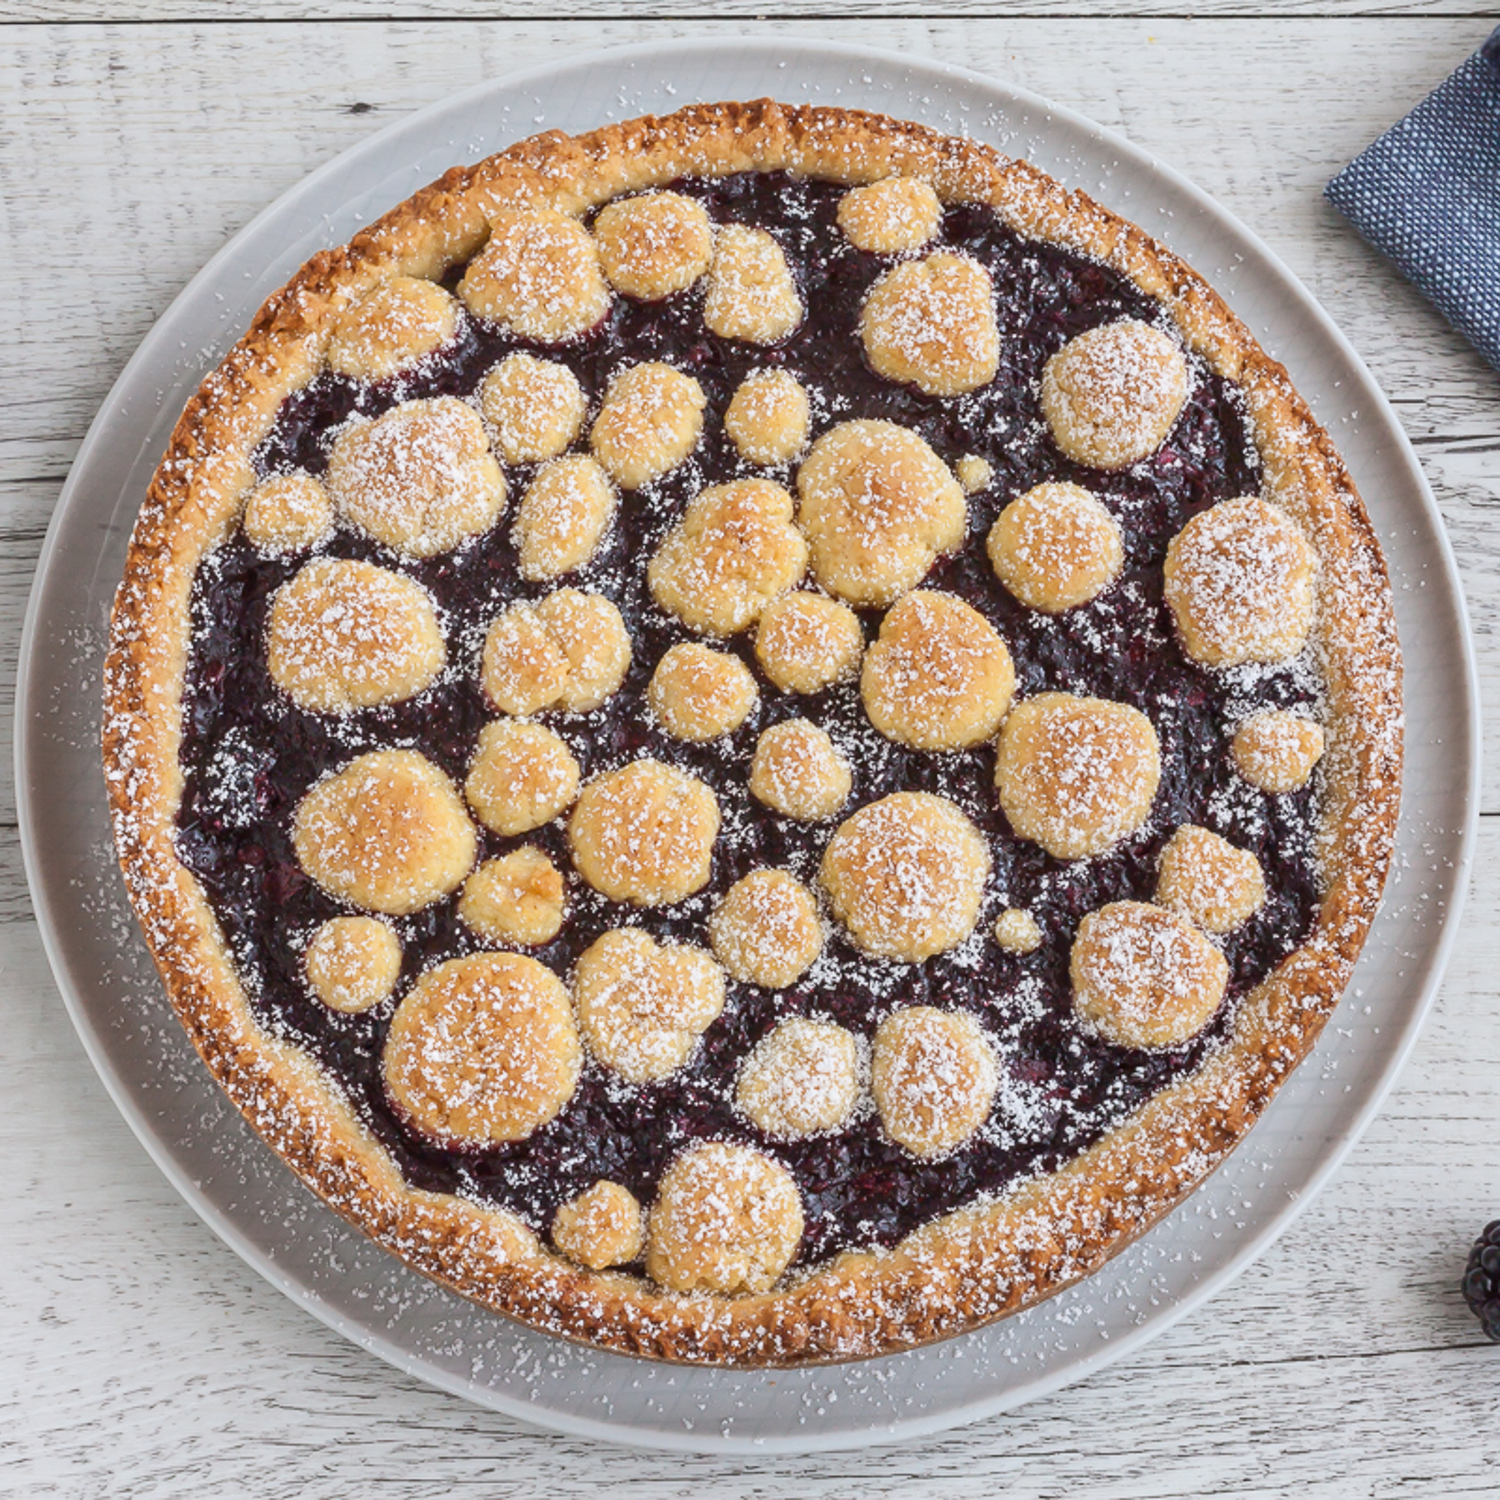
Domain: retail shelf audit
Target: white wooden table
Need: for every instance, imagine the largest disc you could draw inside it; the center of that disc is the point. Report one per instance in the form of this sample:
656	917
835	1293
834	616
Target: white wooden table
139	1357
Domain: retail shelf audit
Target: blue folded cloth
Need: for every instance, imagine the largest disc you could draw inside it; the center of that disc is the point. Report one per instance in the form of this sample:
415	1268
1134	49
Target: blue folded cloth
1427	193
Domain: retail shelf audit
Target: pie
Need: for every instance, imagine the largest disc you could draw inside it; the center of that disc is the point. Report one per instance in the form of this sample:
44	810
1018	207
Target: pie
755	737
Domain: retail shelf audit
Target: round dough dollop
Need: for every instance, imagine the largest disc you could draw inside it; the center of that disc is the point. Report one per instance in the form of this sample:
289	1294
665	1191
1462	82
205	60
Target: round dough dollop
288	513
934	1077
891	217
1209	881
391	326
906	876
798	771
877	506
1144	977
645	833
768	417
643	1005
650	420
538	277
483	1050
1241	581
733	552
348	635
522	776
562	517
801	1080
726	1219
1076	775
1276	750
388	832
766	929
939	677
420	479
805	643
1017	931
1056	547
534	406
751	294
518	898
569	651
352	963
654	244
700	694
605	1226
1111	395
931	323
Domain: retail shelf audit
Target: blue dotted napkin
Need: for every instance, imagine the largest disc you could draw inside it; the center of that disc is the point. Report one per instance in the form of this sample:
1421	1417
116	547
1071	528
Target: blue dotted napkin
1427	193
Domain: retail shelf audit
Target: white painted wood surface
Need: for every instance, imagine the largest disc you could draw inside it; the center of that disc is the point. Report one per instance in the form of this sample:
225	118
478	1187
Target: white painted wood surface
138	1357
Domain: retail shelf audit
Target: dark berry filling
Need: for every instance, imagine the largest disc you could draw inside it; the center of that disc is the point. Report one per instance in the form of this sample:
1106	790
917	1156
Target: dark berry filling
249	755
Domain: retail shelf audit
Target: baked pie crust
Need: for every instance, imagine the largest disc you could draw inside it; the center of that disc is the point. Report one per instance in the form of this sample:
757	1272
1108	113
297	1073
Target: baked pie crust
728	1221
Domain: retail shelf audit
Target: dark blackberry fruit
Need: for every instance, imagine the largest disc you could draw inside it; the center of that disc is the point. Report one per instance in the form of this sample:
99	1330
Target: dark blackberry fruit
1482	1280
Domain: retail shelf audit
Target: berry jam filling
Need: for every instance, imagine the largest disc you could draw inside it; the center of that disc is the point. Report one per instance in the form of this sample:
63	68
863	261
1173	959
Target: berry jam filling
249	754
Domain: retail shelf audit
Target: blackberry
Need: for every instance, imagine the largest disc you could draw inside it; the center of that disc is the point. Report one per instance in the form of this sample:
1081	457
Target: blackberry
1482	1280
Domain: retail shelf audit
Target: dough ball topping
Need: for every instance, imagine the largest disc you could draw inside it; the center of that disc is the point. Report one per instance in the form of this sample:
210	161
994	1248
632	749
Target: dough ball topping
699	694
1241	581
650	420
973	473
931	323
535	408
523	775
892	216
1209	881
906	876
751	294
1076	775
643	1005
518	898
768	417
562	518
420	479
877	506
1277	751
938	677
569	651
654	244
805	643
483	1050
645	834
1017	931
605	1226
1144	977
801	1080
288	513
1056	547
726	1219
388	833
348	635
391	326
352	963
934	1077
766	929
798	771
733	552
538	277
1112	395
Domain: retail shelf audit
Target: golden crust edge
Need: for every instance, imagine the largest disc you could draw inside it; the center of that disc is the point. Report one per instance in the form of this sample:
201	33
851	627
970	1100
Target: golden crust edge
983	1261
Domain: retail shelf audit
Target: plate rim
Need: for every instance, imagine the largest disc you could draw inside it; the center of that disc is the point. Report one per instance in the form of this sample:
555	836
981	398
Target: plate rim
1251	1245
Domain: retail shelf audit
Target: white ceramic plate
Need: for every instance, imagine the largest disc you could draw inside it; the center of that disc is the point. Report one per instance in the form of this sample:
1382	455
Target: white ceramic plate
243	1191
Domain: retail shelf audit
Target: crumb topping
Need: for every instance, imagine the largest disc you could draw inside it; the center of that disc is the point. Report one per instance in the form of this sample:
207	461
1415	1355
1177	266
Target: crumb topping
1112	395
799	772
517	899
654	244
648	423
538	277
933	1076
1209	881
892	216
420	479
751	294
768	417
562	518
1056	547
699	694
604	1226
806	642
1277	751
392	325
931	323
803	1079
766	930
535	408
